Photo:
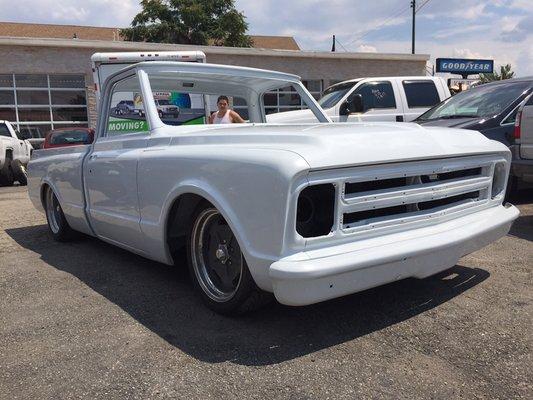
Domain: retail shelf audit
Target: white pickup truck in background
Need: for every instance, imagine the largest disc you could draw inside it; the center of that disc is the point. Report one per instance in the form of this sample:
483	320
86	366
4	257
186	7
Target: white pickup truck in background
14	156
400	99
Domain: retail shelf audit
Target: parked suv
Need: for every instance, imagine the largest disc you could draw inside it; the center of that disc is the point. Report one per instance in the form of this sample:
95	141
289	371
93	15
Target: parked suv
491	109
374	99
125	107
166	108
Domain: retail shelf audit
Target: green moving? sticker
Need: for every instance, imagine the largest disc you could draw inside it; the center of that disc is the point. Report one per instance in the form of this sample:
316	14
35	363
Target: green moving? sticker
126	125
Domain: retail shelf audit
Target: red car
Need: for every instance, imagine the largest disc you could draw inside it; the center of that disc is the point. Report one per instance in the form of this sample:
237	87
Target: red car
68	137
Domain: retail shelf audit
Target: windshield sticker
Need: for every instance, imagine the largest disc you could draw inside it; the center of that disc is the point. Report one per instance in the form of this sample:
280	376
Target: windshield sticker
121	125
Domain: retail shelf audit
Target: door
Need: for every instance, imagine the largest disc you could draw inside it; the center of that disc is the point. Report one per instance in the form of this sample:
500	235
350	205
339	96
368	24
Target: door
111	170
380	103
418	96
526	130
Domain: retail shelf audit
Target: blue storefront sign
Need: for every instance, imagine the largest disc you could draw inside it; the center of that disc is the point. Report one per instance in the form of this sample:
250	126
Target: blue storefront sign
464	67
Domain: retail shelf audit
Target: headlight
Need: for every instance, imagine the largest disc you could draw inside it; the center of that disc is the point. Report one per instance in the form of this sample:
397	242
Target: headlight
498	180
316	210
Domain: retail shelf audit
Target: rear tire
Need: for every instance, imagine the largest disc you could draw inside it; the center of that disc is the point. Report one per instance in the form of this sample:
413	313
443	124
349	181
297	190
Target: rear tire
19	172
6	173
57	223
217	267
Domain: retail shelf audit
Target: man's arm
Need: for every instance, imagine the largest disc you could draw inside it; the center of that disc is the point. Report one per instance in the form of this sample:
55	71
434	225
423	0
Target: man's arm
235	117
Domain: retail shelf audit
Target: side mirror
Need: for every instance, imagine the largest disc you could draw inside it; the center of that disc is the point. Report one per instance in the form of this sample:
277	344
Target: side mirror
357	103
353	105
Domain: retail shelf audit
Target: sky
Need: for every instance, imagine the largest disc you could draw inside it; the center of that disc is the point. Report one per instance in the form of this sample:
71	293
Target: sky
495	29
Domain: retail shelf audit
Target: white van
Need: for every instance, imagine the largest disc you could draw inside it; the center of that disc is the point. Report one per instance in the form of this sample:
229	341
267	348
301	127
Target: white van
106	64
375	99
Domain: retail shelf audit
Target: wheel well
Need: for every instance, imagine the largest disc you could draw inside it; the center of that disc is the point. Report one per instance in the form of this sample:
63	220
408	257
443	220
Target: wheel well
178	223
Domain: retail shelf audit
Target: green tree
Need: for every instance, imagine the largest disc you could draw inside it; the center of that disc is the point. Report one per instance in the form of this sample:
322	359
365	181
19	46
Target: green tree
202	22
505	73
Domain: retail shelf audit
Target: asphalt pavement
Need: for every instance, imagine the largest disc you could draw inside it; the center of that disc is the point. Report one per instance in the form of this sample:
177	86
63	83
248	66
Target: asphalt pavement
88	320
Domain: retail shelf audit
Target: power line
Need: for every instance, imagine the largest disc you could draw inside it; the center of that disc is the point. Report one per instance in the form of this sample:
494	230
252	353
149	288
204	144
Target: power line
396	14
422	5
337	40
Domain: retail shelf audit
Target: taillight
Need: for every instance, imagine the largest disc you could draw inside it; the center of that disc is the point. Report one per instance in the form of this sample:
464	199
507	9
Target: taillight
516	133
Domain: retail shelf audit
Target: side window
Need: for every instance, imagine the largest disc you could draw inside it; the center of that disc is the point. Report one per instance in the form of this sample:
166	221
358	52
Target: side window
511	118
126	111
376	95
530	101
4	131
421	93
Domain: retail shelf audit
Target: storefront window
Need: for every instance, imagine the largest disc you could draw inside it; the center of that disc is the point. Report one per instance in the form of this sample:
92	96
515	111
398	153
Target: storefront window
6	80
69	114
286	98
66	97
8	114
35	131
33	81
37	100
34	114
32	97
7	97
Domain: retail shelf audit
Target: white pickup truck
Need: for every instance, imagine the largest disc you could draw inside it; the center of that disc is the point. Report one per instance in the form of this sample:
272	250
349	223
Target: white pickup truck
14	156
308	212
400	99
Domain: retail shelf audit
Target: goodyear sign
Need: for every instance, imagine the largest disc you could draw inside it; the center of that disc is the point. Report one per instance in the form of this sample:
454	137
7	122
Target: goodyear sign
464	67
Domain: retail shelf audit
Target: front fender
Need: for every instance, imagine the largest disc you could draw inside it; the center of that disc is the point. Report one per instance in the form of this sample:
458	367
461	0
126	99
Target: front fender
250	187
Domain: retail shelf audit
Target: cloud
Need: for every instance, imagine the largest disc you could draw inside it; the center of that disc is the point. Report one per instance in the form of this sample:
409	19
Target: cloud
499	29
520	32
365	48
93	13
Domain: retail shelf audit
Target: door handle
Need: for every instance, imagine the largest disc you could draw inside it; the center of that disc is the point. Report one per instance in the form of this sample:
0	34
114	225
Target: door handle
93	156
399	118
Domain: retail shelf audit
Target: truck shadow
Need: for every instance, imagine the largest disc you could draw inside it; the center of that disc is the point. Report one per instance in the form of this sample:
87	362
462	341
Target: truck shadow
161	298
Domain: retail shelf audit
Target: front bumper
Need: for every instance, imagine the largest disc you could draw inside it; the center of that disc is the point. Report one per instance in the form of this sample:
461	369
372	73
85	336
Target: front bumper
318	275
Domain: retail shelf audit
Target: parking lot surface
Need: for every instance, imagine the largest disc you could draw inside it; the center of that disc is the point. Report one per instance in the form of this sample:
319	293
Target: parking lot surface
88	320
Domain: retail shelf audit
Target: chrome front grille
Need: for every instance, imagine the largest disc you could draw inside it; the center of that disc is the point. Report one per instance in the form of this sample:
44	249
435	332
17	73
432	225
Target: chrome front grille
387	196
380	199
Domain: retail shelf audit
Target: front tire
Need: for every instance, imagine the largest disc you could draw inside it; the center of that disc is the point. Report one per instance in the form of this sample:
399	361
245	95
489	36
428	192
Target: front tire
217	267
57	223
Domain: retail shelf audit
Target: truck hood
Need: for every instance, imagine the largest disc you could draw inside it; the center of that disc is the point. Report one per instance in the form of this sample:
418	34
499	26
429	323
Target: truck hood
292	117
335	145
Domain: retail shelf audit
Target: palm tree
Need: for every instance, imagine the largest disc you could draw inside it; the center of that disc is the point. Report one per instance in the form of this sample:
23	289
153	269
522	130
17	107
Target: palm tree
505	73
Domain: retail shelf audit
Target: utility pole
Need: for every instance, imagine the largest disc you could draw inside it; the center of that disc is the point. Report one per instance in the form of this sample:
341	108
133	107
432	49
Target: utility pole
413	4
333	45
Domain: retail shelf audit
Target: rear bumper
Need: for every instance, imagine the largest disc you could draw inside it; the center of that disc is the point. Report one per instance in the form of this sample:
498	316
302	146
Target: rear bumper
318	275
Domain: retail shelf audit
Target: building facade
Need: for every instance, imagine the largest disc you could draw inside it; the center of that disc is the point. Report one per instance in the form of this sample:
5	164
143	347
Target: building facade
47	83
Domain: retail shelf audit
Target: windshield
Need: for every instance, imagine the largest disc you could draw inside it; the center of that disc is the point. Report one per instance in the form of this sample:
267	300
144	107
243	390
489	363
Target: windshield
485	101
333	94
163	102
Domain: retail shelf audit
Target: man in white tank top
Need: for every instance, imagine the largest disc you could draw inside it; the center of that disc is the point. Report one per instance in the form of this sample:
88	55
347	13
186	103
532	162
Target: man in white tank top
224	115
